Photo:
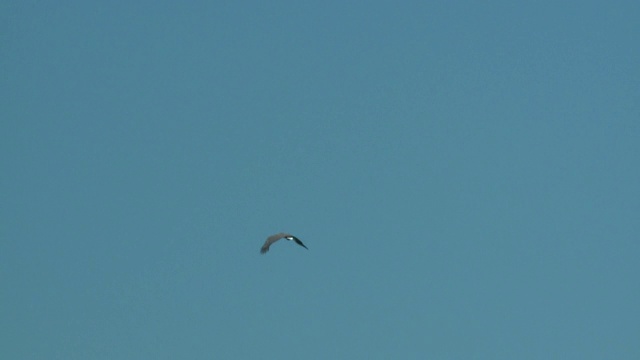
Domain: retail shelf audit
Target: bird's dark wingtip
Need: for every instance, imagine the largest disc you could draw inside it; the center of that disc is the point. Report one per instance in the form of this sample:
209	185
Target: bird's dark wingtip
299	243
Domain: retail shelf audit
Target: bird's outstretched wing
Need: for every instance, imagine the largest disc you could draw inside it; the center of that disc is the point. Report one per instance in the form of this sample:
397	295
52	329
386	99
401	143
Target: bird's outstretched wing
270	240
297	241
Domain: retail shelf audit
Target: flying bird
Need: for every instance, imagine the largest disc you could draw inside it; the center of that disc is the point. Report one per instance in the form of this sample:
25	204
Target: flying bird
273	238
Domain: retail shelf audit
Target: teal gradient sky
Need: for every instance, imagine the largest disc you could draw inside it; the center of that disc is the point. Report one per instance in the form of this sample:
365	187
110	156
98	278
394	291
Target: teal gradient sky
465	175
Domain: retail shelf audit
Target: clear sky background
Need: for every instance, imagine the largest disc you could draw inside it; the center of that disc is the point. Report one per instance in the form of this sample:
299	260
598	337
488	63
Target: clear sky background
465	175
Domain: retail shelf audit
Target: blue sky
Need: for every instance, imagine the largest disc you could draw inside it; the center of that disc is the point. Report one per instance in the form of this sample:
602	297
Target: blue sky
465	176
